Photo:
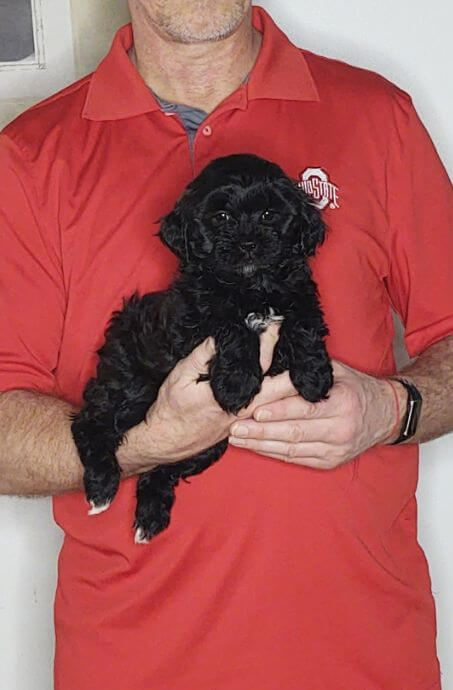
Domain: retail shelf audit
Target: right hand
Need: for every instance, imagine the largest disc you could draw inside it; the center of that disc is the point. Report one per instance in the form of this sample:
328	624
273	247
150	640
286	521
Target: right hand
185	418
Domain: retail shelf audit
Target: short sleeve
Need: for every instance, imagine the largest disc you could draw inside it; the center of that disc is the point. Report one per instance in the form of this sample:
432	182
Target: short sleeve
420	215
32	302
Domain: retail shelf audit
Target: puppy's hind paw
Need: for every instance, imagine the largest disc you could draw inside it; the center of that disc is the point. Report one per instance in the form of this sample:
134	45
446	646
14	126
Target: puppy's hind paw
147	526
144	534
140	536
99	508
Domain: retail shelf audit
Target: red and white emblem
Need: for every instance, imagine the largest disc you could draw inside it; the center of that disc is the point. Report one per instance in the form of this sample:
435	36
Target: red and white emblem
315	182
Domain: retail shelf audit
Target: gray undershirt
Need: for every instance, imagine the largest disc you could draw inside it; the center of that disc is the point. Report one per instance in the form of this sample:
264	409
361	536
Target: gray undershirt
190	117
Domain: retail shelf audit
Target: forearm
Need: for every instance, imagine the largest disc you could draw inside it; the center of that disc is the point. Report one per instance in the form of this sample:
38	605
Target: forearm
37	454
432	374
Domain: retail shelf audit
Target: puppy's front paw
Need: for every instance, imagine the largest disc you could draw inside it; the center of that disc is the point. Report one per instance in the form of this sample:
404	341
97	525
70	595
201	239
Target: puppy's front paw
313	384
234	388
100	508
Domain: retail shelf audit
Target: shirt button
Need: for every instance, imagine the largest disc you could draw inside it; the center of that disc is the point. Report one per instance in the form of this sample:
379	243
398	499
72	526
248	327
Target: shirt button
207	131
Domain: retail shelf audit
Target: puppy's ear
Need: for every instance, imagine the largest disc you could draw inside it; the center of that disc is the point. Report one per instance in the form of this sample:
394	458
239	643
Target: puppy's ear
313	230
173	232
184	233
310	228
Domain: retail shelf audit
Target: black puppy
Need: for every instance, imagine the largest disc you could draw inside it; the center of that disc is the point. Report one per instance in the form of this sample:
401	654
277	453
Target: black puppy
243	232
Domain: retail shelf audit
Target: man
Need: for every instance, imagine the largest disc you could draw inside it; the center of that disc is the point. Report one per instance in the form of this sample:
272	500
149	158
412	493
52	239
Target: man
272	574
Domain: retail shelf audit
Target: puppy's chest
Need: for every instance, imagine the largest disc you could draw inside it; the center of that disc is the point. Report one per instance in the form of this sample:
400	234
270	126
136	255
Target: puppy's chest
256	316
252	311
258	321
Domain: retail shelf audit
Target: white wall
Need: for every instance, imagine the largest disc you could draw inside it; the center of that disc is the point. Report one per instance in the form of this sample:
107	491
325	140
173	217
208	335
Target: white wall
409	42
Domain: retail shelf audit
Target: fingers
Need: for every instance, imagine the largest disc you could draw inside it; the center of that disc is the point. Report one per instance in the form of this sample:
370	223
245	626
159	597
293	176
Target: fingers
268	340
315	463
339	369
302	454
294	431
292	407
273	388
318	454
197	361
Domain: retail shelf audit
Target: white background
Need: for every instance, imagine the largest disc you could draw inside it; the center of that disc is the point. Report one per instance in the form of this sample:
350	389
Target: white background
409	41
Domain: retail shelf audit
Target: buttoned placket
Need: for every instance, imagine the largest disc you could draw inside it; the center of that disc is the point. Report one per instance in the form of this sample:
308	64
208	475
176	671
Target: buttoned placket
208	129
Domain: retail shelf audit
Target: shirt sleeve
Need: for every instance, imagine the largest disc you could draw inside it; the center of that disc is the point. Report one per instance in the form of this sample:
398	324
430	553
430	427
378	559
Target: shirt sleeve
32	298
420	214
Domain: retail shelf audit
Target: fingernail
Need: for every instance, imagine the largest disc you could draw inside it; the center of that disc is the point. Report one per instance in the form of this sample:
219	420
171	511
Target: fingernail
236	441
263	415
240	430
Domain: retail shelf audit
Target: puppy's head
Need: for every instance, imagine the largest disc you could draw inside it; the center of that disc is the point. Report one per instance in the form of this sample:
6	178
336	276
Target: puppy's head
240	216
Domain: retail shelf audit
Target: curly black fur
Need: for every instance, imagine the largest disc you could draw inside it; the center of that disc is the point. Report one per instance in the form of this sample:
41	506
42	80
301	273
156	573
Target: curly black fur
242	231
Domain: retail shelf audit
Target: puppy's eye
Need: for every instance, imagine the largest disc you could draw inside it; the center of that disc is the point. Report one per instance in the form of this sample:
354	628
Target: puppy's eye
220	217
267	216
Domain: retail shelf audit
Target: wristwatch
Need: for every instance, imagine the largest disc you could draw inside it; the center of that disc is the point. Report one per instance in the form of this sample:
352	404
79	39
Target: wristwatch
413	410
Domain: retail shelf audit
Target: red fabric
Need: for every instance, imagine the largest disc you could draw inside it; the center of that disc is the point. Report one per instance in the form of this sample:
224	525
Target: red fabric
271	576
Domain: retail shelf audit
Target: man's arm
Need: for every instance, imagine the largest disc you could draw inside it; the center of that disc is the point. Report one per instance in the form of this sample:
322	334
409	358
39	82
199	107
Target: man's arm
38	456
361	412
432	374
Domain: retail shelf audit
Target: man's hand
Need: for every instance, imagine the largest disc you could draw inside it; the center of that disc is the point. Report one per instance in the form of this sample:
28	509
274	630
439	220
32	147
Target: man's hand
361	411
185	417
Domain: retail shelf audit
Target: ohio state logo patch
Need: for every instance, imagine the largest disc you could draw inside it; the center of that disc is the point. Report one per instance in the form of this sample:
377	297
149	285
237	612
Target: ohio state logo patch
315	182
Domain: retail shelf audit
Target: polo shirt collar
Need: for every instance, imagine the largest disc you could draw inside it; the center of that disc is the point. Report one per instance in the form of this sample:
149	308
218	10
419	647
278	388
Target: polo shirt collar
117	91
281	71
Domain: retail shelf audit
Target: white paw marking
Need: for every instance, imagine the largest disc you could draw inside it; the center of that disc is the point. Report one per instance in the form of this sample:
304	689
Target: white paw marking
139	537
259	322
256	322
273	316
95	510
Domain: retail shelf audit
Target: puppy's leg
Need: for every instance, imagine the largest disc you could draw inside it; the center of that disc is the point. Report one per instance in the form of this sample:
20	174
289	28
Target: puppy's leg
98	433
235	371
127	381
156	491
96	446
301	350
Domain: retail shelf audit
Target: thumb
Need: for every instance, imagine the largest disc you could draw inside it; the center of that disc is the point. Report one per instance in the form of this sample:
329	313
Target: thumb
198	360
268	340
339	369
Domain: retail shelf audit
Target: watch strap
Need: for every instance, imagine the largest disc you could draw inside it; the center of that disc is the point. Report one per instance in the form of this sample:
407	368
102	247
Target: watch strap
413	411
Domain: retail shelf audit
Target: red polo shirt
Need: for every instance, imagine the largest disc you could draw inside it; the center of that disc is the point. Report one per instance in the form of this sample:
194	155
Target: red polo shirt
271	576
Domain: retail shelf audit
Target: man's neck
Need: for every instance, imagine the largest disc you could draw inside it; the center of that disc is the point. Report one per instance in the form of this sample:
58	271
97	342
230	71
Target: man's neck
201	75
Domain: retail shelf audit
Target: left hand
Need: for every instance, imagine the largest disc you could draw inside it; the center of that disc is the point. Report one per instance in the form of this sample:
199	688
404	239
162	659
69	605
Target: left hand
359	413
